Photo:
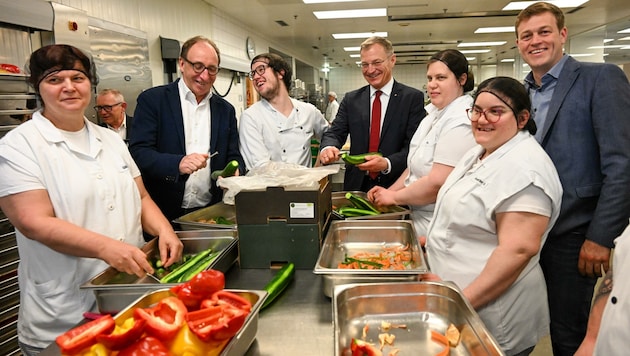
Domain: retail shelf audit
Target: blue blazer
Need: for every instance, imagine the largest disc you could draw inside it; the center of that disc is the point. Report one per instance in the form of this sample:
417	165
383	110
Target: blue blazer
404	112
157	144
587	135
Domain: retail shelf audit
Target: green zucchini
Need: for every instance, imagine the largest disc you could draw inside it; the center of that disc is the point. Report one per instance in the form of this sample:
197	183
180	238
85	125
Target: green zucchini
349	211
179	271
228	171
358	159
198	267
361	202
279	283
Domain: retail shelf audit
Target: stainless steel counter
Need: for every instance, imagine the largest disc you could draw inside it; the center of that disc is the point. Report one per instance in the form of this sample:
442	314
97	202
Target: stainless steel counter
298	322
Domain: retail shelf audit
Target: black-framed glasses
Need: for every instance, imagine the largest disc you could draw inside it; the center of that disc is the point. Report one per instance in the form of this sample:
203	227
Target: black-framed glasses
260	70
107	108
492	114
199	67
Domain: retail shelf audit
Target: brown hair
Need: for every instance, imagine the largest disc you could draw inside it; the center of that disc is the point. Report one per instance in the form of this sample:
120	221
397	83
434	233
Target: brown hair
278	64
389	49
537	9
190	42
456	63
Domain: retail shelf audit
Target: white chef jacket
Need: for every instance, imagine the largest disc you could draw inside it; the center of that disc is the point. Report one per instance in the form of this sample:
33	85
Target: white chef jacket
442	137
462	234
331	110
96	191
614	331
267	135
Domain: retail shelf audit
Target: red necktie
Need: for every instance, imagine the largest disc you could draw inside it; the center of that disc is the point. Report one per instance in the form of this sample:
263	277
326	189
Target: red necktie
375	127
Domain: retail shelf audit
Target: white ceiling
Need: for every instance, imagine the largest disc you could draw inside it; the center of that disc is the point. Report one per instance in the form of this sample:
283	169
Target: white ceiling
416	28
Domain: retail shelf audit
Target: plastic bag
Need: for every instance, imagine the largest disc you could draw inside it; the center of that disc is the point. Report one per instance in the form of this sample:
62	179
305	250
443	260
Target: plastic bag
275	174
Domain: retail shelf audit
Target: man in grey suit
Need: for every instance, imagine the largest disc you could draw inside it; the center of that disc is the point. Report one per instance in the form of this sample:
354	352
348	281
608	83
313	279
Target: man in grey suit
401	107
582	111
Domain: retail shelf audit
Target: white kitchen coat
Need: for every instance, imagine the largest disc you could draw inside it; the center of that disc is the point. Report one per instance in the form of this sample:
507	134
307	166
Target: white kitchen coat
442	137
267	135
462	234
96	191
614	331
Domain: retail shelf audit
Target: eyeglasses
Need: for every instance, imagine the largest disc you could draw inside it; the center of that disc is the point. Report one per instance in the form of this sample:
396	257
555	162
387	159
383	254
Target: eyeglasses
260	70
376	63
492	114
107	108
199	67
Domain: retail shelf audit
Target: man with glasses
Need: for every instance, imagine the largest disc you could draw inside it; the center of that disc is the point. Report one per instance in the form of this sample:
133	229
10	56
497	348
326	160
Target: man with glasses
401	109
277	128
110	109
182	132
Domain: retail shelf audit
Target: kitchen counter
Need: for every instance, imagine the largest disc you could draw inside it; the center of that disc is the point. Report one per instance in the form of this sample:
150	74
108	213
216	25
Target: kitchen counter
298	320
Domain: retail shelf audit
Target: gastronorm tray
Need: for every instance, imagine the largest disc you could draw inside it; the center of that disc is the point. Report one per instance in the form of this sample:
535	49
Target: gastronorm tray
114	290
387	213
238	345
348	237
191	221
421	306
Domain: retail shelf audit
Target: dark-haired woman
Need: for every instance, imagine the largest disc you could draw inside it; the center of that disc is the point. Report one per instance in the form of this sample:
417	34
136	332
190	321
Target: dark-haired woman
76	199
439	142
492	217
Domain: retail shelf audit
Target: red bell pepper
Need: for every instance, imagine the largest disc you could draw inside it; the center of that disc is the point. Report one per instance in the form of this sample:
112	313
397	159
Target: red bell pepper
82	336
123	336
186	295
362	348
224	297
207	282
217	322
147	346
164	319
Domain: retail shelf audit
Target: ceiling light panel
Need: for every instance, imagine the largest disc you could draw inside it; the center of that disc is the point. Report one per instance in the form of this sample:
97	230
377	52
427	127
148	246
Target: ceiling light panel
481	44
345	36
520	5
350	14
327	1
495	29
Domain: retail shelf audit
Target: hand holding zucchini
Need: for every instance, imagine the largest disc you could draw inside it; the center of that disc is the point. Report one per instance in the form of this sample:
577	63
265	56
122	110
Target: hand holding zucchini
228	171
358	159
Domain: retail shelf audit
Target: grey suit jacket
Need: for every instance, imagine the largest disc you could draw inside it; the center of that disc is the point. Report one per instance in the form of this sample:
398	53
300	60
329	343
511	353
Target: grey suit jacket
587	135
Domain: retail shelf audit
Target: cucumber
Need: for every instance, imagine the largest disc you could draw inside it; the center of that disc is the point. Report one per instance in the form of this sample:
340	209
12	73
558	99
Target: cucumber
349	212
361	202
228	171
198	267
358	159
279	283
179	271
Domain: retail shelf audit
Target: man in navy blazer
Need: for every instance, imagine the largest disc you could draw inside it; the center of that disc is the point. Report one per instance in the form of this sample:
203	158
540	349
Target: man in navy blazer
403	107
178	126
582	111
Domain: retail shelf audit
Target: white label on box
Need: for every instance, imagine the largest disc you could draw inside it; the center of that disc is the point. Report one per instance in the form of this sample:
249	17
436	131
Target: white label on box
302	210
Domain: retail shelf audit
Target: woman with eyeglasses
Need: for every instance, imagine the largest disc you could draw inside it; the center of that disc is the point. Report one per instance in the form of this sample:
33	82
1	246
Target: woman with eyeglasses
76	199
492	217
442	138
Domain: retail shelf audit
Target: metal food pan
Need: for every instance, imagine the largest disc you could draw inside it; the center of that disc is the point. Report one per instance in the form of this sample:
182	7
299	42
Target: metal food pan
421	306
191	221
388	213
115	290
348	237
238	345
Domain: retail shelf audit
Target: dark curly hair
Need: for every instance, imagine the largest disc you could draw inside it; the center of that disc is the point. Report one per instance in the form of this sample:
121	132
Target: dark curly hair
278	64
58	57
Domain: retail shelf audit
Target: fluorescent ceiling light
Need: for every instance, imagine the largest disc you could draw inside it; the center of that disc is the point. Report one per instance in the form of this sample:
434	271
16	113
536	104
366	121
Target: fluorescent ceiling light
495	29
480	44
352	49
326	1
624	39
606	40
581	54
471	51
605	47
627	30
350	14
355	55
520	5
625	47
507	60
345	36
470	59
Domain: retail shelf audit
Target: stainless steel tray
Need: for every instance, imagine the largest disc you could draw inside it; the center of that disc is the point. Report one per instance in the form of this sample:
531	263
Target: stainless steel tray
239	344
421	306
191	221
390	213
114	290
353	236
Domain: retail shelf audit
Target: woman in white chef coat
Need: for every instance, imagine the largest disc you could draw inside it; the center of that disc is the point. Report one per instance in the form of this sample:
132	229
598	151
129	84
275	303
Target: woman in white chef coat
442	138
76	199
492	217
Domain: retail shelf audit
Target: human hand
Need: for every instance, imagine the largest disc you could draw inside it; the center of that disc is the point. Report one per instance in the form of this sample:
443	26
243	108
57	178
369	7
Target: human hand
171	247
329	155
593	258
373	163
382	197
193	162
126	258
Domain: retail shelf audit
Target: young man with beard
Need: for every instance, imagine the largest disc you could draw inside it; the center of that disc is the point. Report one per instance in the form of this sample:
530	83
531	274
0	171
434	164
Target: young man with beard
401	109
277	128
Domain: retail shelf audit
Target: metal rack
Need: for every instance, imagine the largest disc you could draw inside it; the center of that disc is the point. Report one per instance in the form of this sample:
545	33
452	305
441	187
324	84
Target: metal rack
10	297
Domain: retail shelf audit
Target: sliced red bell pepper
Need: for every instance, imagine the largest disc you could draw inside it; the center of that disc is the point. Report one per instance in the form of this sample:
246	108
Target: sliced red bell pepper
229	298
123	336
217	322
362	348
207	282
82	336
147	346
186	295
164	319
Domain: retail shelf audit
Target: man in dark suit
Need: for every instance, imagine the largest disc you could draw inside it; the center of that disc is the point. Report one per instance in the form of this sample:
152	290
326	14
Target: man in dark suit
178	127
582	111
401	107
111	110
